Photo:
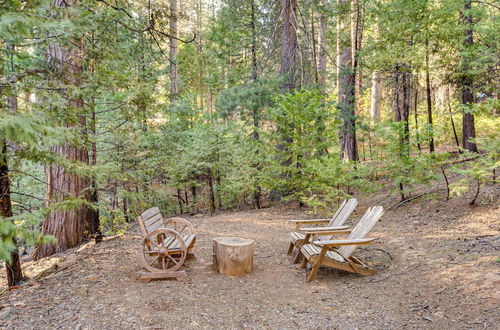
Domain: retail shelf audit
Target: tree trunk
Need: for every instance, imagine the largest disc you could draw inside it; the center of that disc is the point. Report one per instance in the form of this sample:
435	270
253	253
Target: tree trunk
429	99
375	98
66	226
13	269
346	87
356	38
402	104
406	111
467	96
289	44
173	51
322	53
13	266
415	113
211	190
95	230
455	135
255	110
402	91
314	49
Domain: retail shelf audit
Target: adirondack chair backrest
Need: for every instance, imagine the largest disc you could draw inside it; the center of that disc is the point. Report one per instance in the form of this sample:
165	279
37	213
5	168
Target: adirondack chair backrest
362	229
150	220
343	212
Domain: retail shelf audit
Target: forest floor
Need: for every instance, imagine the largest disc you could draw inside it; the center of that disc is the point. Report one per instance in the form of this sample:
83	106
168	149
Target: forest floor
438	267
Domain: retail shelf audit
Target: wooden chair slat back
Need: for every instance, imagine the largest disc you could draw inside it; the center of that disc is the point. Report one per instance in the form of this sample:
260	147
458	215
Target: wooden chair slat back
362	229
150	213
150	220
344	211
337	213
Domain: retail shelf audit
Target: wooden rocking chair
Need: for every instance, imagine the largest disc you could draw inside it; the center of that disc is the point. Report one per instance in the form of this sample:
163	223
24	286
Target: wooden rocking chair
337	253
165	245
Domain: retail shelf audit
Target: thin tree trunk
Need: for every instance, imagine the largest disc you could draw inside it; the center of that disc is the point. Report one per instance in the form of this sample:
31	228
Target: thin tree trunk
173	51
179	199
402	111
467	96
314	53
455	135
322	52
13	269
255	110
415	112
429	100
406	111
375	98
356	39
195	200
346	86
212	194
12	266
66	226
95	230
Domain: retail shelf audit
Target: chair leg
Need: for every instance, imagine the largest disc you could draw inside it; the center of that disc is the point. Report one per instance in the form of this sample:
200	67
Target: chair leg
317	262
298	257
303	264
313	272
290	249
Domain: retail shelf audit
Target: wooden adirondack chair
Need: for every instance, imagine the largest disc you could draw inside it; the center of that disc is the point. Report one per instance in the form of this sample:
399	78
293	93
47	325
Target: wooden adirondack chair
297	237
165	244
337	253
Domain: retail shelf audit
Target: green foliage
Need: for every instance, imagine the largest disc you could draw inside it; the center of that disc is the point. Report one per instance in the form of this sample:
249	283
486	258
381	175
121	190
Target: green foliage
405	169
480	169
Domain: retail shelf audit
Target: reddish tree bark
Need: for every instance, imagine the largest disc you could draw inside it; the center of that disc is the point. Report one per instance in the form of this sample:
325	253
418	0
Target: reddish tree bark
66	226
289	44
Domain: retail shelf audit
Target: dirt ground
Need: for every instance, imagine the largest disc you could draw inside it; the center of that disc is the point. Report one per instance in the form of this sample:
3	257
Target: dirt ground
438	265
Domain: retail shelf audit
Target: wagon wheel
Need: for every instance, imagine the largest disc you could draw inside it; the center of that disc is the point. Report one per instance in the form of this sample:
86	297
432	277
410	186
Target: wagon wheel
180	225
163	250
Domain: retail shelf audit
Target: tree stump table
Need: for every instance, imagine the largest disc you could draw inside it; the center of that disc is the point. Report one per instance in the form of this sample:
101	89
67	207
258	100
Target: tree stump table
233	255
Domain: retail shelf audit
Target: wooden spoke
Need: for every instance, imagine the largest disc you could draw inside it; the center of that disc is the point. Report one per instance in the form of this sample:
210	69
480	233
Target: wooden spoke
175	262
155	254
180	225
154	260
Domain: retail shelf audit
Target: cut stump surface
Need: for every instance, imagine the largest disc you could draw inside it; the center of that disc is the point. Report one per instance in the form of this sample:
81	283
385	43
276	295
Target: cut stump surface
233	255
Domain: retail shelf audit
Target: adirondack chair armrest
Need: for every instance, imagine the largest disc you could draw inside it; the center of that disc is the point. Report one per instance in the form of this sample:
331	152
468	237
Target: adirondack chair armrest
312	221
359	241
330	232
321	230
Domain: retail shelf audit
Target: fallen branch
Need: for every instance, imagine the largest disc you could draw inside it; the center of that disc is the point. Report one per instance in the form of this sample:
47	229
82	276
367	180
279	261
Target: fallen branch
410	199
